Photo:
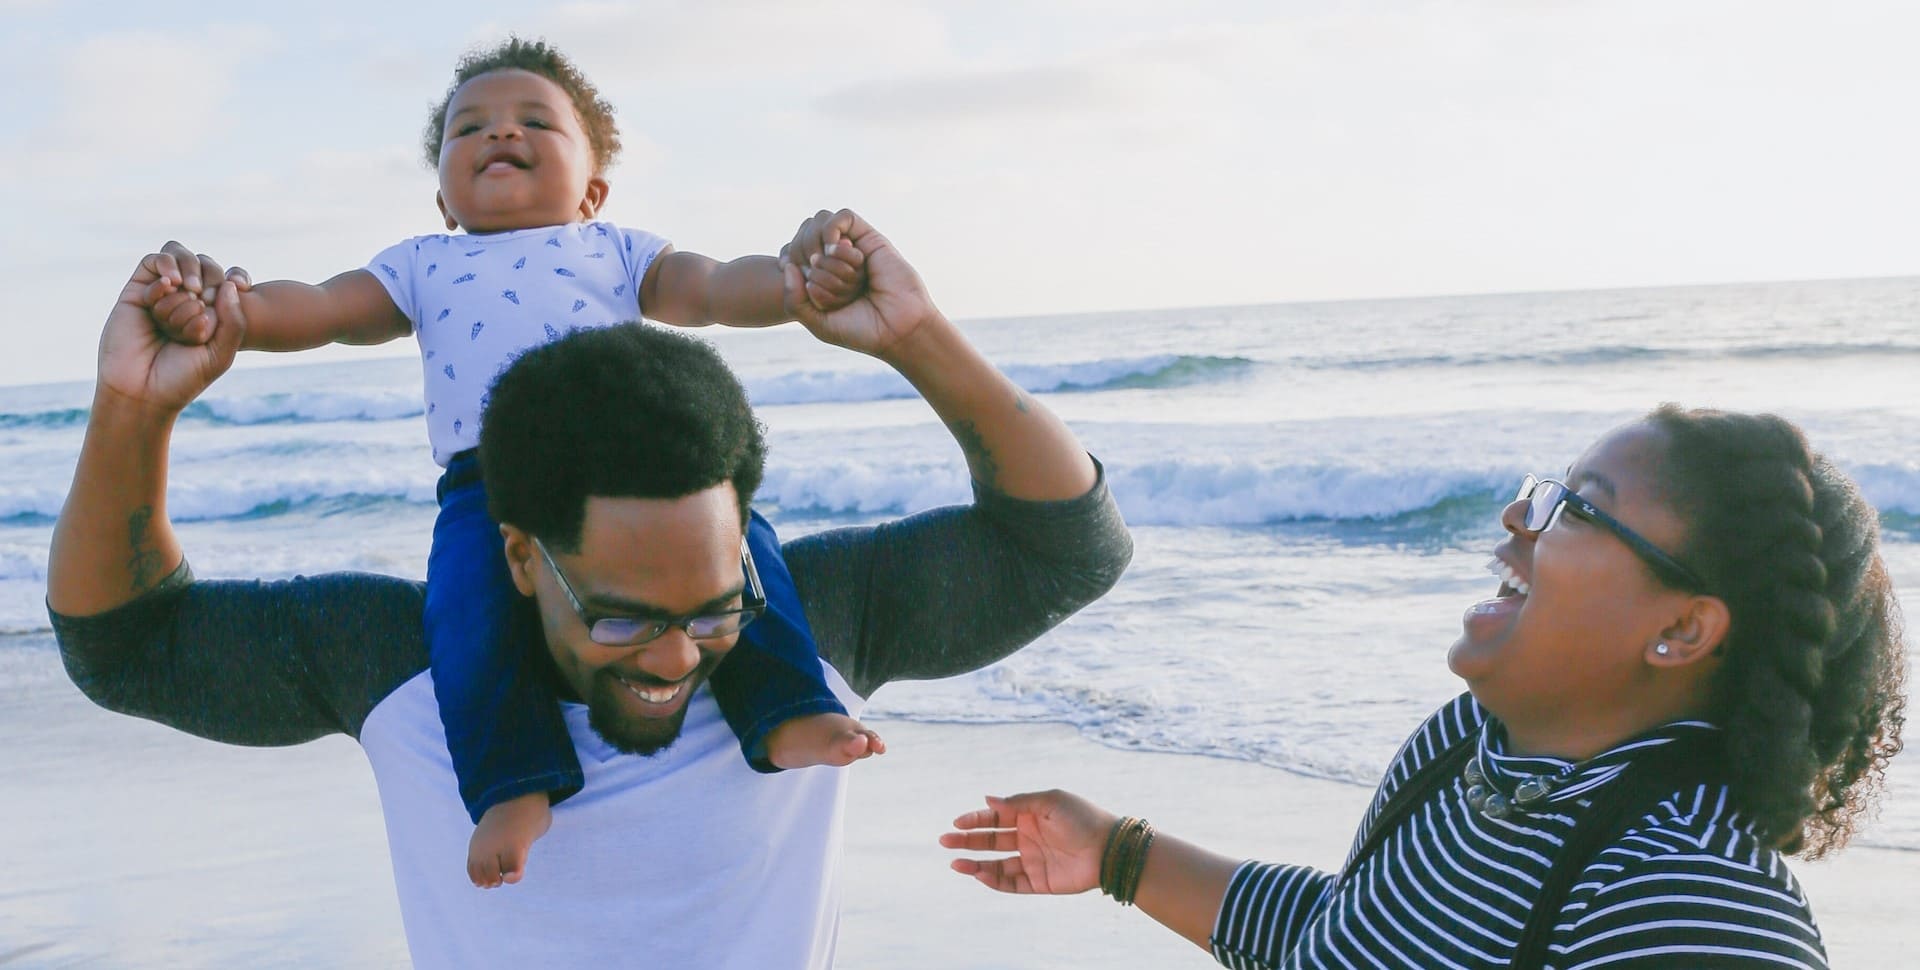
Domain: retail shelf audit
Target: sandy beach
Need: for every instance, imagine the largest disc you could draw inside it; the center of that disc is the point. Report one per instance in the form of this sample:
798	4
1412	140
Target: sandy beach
134	845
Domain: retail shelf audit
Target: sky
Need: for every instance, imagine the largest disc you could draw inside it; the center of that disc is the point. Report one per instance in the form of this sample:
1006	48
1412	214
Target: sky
1030	157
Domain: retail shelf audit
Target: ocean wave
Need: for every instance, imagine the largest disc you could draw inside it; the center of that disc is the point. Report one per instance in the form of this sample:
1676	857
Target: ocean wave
1165	370
1618	354
1188	493
1891	487
55	418
798	387
1126	373
858	488
1169	492
19	564
278	408
238	497
1240	493
1176	493
307	407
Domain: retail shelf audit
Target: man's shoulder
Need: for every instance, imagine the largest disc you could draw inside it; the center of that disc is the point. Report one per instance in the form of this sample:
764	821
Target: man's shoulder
257	662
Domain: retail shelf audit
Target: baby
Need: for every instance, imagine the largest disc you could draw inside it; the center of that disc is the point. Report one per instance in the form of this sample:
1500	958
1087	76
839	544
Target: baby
521	143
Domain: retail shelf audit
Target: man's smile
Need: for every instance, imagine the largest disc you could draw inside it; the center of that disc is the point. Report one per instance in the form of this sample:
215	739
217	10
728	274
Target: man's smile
655	694
652	698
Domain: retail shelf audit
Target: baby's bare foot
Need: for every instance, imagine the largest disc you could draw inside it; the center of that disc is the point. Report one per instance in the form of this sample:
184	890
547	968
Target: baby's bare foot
821	739
498	851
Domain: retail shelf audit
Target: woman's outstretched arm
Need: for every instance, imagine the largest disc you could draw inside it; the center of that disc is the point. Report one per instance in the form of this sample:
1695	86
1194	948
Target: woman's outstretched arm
1059	840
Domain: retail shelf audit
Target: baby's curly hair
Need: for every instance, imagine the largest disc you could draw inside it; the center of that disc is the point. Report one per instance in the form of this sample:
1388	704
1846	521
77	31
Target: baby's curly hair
1810	690
542	58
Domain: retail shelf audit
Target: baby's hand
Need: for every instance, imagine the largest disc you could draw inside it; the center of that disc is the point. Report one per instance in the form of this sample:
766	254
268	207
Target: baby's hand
834	270
180	302
836	277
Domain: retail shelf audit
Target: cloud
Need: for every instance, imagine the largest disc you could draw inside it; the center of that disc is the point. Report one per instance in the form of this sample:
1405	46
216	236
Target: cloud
1126	97
144	94
325	194
791	42
979	96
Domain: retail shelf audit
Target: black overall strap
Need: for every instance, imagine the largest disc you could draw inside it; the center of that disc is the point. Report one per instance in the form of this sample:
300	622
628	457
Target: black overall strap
1641	786
1445	767
1658	774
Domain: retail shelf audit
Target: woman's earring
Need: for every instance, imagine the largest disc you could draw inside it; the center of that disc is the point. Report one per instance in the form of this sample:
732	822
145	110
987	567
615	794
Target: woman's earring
1660	648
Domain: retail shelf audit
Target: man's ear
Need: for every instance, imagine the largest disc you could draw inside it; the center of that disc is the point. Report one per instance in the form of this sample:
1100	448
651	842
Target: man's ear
1695	635
595	199
441	201
519	549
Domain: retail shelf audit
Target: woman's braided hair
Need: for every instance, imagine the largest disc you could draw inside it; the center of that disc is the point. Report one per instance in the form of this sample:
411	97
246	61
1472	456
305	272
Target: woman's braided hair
1809	691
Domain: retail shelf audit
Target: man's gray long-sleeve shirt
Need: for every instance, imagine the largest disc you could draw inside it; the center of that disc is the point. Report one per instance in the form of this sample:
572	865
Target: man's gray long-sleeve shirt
268	663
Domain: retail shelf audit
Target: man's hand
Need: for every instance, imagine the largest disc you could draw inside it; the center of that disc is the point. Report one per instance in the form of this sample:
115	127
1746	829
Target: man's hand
141	359
1057	839
895	302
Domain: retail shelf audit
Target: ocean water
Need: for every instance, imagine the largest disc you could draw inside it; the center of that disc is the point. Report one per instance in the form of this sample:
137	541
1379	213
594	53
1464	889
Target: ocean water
1312	486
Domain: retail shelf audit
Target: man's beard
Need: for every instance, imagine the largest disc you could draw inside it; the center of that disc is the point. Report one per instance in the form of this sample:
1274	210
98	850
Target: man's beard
632	734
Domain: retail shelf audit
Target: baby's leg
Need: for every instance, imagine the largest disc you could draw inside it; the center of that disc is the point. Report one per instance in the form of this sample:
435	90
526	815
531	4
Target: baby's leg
497	853
510	748
772	687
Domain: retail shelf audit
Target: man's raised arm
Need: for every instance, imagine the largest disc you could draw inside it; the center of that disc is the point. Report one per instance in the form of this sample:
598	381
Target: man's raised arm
953	589
1012	443
243	662
113	541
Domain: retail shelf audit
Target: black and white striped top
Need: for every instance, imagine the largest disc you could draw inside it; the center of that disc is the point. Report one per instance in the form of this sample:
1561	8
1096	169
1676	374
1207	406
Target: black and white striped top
1688	885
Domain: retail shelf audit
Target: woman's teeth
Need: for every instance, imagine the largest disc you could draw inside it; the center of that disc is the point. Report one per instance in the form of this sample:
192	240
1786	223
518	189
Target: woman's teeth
1508	578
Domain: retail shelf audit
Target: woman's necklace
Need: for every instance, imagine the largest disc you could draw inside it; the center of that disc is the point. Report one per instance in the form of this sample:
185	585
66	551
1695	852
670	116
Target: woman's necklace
1532	793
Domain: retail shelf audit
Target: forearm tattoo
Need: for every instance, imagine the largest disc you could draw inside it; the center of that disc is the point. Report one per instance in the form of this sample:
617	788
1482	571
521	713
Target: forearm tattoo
144	562
984	467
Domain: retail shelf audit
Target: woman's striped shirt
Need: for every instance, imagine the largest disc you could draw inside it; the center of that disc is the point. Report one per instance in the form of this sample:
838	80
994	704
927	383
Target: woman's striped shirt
1688	885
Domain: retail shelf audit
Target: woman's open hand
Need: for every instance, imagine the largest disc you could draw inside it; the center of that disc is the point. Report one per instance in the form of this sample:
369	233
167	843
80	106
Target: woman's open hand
1057	837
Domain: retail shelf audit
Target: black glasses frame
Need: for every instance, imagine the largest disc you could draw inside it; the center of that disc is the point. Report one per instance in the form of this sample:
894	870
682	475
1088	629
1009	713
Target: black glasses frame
1547	498
753	602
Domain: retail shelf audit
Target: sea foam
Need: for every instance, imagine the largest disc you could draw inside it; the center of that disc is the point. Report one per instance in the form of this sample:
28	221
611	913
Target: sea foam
785	388
1171	492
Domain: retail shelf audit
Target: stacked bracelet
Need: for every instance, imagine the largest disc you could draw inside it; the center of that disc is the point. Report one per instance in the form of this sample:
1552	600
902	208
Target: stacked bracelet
1125	858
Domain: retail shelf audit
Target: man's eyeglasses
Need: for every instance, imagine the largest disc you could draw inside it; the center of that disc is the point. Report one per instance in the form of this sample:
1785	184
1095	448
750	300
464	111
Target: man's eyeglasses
1547	498
627	631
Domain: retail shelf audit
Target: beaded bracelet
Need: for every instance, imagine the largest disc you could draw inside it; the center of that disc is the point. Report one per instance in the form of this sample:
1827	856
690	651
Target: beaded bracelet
1124	859
1107	871
1106	854
1131	885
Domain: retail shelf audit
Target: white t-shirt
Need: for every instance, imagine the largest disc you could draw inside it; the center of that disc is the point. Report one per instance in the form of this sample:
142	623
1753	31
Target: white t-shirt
478	301
687	858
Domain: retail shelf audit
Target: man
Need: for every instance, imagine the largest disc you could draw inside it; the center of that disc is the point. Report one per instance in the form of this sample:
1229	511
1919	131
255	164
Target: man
681	858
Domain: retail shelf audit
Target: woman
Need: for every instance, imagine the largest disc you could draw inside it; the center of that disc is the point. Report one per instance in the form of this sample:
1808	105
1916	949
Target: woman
1691	667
